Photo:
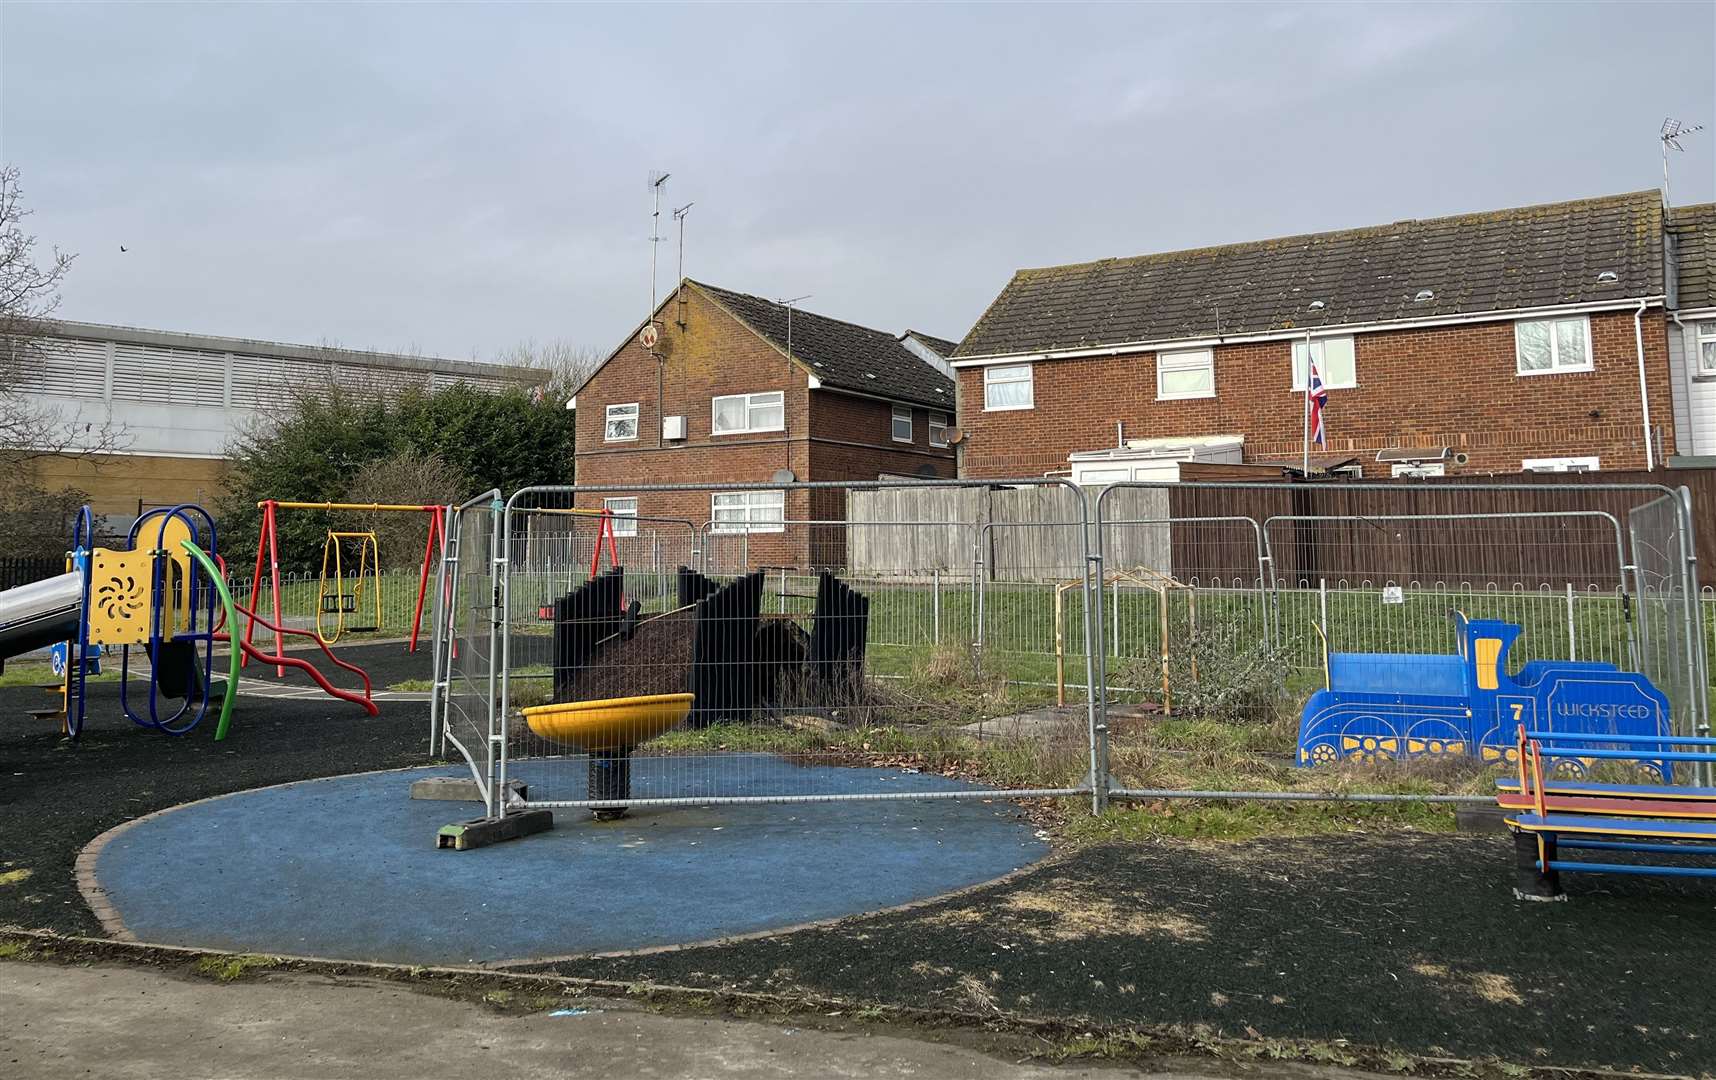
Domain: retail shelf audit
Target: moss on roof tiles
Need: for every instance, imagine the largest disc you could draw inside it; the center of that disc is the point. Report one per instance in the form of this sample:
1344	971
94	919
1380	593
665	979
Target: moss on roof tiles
1527	254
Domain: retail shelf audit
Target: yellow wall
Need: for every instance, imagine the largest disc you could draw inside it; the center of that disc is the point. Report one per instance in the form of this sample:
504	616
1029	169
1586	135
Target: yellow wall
116	482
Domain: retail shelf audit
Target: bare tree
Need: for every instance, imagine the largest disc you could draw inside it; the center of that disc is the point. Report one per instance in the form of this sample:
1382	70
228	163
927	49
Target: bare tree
406	477
29	294
564	365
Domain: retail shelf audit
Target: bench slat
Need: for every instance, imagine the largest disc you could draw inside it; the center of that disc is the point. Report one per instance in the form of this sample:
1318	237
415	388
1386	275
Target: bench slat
1578	804
1614	826
1632	868
1602	790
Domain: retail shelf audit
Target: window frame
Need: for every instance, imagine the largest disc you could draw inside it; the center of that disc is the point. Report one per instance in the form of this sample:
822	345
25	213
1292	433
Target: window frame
1297	378
1584	463
751	401
910	417
938	430
629	519
1030	381
751	502
608	419
1703	332
1555	366
1416	470
1174	360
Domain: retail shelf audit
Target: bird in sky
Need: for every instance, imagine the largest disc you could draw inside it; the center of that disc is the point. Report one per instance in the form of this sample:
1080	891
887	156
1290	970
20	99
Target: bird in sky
123	248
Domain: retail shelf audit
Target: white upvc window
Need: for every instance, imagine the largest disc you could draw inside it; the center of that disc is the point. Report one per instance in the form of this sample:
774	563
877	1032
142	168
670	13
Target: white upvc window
1704	342
1336	363
938	429
1547	346
748	511
1409	469
1189	373
625	515
1102	477
1560	464
902	428
622	425
739	414
1008	387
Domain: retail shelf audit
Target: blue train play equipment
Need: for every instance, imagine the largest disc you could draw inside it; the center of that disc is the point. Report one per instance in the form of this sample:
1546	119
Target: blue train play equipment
1382	706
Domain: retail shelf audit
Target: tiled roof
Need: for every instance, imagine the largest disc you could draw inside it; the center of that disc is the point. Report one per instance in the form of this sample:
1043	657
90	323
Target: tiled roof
1694	229
943	347
840	354
1533	256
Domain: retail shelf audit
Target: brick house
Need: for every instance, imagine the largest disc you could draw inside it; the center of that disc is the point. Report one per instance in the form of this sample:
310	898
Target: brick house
1692	328
737	389
1531	338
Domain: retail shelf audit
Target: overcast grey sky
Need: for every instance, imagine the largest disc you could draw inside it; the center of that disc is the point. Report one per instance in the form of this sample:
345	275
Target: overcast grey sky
454	179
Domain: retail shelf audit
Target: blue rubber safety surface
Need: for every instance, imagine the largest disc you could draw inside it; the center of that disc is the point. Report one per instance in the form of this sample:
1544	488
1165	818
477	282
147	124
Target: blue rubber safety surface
347	867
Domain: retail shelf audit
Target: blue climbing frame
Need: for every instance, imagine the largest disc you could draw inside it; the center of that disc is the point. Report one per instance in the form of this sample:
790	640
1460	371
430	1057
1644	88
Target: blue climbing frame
167	644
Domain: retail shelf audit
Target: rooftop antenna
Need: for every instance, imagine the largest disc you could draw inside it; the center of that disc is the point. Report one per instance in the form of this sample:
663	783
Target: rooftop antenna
788	303
1672	130
656	180
679	216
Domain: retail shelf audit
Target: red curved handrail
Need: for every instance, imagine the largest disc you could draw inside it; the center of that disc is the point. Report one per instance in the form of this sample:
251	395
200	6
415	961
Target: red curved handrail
365	699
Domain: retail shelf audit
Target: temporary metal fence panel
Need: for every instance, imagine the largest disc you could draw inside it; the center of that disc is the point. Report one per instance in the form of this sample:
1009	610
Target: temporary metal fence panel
1395	573
975	672
809	682
1672	651
464	657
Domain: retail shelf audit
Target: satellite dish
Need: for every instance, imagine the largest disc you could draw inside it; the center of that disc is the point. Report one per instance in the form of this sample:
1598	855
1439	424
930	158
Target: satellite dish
783	476
650	336
954	436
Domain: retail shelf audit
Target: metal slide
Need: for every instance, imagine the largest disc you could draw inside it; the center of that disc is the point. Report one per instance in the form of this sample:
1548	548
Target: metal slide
40	614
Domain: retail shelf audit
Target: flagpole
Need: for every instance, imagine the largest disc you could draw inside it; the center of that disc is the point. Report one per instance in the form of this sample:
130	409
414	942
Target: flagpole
1305	464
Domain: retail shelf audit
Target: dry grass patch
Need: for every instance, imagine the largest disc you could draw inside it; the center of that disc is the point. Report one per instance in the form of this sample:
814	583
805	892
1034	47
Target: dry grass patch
1068	914
1491	986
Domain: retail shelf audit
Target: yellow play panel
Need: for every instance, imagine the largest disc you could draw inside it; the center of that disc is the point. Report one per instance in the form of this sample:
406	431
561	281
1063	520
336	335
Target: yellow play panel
611	723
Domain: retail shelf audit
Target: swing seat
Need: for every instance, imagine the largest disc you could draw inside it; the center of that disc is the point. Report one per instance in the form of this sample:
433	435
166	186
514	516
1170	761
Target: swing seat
339	604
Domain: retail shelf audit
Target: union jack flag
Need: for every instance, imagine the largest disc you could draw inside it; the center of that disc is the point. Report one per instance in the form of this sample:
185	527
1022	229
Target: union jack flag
1319	396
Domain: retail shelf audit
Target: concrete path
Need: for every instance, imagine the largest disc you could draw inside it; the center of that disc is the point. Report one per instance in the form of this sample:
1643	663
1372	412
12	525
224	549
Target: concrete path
130	1023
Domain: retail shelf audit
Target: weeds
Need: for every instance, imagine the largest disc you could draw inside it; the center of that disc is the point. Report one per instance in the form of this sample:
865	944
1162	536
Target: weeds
229	968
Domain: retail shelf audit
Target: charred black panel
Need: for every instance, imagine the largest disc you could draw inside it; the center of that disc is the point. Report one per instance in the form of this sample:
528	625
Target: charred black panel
723	653
586	615
838	631
782	646
694	586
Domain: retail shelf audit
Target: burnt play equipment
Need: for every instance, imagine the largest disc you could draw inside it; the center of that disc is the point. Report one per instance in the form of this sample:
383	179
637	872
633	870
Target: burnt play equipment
621	678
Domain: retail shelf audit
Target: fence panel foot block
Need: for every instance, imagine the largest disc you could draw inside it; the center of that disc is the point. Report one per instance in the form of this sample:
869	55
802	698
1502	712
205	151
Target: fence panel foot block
485	831
459	789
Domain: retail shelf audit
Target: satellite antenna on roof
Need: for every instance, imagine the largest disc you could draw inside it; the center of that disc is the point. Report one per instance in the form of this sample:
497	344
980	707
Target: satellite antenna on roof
1672	130
657	179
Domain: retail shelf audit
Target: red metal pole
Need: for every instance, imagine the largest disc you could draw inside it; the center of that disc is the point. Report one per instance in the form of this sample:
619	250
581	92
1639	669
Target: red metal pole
274	571
435	532
256	577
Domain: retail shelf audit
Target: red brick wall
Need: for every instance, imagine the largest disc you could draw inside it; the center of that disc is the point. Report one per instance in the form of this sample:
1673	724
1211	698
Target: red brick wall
853	439
1447	386
828	436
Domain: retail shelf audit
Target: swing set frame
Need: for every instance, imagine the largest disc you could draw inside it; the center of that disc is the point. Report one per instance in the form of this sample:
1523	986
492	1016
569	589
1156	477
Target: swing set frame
268	556
344	603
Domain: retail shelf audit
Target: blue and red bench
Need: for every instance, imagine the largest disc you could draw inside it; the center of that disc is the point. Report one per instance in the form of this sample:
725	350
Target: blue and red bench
1551	816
